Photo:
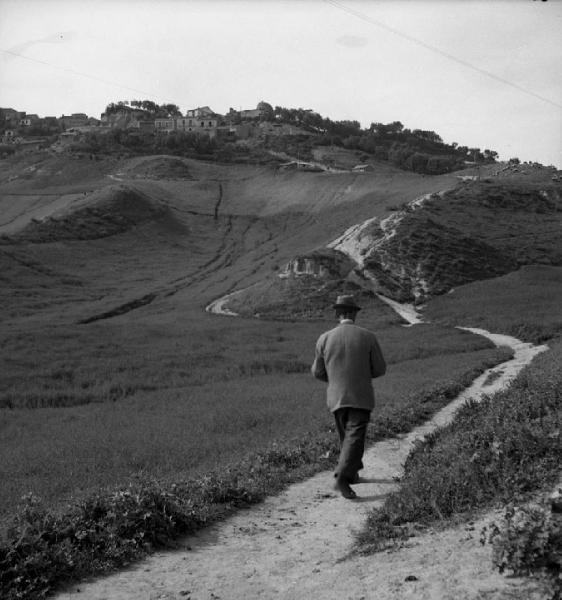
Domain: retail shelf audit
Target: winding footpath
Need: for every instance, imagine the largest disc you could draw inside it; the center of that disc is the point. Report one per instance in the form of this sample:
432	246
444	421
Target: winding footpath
296	546
217	306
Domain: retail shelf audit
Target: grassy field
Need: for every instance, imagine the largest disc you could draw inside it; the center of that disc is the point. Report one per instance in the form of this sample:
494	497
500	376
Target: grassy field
120	476
108	401
525	303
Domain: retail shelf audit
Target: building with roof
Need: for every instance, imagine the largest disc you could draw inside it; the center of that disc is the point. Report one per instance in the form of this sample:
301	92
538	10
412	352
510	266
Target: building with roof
201	125
201	111
29	120
74	120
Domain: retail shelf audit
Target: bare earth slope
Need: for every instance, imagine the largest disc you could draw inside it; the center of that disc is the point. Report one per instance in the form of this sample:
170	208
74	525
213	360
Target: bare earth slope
297	545
194	232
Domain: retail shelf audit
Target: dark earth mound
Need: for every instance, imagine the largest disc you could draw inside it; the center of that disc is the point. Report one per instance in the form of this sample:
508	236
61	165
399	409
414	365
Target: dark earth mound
113	210
476	231
306	288
425	257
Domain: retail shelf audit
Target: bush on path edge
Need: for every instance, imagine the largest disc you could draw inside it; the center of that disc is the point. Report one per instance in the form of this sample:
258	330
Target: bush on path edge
498	451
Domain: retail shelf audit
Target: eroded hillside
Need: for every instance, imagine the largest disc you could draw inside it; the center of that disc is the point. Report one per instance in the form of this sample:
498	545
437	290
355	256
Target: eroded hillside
172	230
162	229
478	229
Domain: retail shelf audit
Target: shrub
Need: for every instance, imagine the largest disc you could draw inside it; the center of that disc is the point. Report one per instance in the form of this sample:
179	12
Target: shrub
529	540
105	531
499	449
111	528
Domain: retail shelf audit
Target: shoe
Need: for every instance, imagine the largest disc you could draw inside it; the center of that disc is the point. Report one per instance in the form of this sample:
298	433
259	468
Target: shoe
342	486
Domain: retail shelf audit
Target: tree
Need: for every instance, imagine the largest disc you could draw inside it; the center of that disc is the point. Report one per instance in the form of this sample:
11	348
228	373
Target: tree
234	117
394	127
417	162
430	136
172	110
351	142
475	154
378	129
149	106
266	109
313	119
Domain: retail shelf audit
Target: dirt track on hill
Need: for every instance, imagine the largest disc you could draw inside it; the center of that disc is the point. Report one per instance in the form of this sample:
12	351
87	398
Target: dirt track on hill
297	545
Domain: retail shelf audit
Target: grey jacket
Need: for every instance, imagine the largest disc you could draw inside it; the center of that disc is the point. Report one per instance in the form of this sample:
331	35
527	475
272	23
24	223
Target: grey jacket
348	357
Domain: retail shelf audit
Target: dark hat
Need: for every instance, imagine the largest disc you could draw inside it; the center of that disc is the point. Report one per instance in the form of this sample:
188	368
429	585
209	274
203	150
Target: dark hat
346	301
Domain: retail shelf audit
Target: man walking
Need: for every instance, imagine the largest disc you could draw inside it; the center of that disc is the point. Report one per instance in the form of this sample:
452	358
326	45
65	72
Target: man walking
347	358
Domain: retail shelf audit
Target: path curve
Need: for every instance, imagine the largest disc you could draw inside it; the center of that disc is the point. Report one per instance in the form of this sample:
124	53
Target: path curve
296	545
217	306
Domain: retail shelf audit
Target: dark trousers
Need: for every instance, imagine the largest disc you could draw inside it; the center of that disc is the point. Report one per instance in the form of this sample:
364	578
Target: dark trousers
351	424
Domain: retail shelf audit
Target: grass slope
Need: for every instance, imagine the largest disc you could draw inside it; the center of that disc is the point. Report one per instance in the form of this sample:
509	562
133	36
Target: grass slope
477	230
498	451
525	303
105	529
99	392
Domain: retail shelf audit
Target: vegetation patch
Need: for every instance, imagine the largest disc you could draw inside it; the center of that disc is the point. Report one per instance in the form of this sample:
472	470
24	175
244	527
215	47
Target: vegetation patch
427	257
528	540
392	421
521	219
113	210
498	450
475	231
525	304
42	548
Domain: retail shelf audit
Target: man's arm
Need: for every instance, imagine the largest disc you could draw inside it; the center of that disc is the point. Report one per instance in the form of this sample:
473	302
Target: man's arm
318	368
378	364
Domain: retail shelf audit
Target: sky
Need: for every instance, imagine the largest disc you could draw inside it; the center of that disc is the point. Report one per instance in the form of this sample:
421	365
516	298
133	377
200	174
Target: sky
483	73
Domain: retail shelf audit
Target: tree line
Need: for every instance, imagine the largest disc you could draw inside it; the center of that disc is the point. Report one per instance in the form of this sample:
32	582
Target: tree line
154	110
418	150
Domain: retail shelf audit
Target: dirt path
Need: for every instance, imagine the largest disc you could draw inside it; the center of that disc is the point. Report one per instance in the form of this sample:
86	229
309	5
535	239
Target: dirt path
296	545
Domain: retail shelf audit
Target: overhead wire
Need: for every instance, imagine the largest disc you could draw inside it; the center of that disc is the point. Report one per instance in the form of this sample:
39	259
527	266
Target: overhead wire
147	95
437	50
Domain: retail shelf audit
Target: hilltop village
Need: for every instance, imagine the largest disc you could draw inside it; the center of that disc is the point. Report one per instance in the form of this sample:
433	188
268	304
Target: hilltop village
30	131
290	137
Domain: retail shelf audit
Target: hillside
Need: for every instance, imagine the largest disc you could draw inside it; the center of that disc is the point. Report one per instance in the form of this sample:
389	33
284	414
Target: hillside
426	246
263	232
120	372
242	221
